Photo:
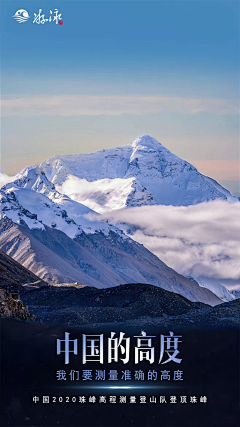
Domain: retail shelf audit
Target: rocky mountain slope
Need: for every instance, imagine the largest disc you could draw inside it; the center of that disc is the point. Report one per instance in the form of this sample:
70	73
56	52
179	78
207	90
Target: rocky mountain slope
15	279
129	304
223	293
13	276
236	293
93	259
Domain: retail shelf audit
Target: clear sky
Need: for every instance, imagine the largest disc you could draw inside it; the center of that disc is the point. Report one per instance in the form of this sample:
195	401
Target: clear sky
116	70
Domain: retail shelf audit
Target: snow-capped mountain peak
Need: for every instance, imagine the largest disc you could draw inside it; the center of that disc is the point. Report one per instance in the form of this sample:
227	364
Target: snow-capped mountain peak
142	145
140	173
34	199
58	195
145	141
34	179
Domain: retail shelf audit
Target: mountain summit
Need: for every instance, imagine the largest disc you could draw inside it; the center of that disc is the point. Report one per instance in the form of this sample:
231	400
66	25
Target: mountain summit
143	172
49	222
146	141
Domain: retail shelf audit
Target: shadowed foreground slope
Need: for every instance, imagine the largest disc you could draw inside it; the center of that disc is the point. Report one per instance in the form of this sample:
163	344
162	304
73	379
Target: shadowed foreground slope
13	275
131	304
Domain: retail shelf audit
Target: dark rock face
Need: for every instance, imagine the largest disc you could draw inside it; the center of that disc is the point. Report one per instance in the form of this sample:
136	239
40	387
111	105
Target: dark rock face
13	275
127	305
78	304
15	279
12	306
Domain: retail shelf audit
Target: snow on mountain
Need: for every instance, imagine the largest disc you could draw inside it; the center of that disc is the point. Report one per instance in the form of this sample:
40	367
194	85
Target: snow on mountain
11	208
53	238
54	256
236	293
107	194
93	260
141	173
221	291
32	192
61	194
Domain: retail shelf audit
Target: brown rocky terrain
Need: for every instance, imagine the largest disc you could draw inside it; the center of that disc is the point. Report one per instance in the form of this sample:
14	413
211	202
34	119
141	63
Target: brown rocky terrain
11	306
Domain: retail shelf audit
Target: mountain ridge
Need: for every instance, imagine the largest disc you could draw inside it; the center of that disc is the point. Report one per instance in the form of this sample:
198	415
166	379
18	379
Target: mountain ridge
151	173
93	260
143	172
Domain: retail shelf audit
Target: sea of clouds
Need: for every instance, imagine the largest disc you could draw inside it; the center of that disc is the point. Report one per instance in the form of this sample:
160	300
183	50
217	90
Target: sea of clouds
199	241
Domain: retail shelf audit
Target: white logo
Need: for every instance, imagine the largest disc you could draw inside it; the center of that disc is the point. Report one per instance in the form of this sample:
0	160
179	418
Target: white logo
21	16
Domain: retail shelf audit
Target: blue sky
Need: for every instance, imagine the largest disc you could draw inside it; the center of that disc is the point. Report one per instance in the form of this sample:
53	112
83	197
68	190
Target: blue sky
174	49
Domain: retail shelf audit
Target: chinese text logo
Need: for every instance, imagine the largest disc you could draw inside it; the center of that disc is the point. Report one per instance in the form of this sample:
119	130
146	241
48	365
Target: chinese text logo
39	18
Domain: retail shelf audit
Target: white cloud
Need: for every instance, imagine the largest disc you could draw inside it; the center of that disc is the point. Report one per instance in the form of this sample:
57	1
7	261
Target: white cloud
200	240
4	179
101	195
114	105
